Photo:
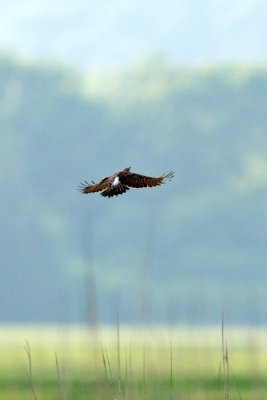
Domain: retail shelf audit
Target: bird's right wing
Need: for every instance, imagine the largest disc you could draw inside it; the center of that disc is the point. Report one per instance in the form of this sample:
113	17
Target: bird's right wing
86	187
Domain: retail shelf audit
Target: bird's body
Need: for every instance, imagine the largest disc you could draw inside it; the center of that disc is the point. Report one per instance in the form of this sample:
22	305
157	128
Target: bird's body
120	182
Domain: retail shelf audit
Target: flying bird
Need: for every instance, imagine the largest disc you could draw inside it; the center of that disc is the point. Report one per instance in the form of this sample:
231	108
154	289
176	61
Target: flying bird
120	182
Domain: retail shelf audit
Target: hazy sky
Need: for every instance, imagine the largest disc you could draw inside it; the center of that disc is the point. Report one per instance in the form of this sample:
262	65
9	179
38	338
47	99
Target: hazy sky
89	33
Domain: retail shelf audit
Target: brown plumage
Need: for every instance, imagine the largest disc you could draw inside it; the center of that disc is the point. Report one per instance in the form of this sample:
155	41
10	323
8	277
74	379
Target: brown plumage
120	182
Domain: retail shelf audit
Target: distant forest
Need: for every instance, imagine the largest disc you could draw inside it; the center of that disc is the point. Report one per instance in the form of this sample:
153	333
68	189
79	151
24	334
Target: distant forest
181	253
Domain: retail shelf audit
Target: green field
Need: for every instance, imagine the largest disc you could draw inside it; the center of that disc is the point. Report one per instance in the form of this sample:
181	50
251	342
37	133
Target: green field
156	363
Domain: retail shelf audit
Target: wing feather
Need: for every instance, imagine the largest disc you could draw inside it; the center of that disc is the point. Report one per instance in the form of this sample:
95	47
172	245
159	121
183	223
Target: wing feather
141	181
94	187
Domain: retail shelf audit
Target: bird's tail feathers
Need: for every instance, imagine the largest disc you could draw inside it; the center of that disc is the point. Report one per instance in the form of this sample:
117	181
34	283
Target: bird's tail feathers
114	191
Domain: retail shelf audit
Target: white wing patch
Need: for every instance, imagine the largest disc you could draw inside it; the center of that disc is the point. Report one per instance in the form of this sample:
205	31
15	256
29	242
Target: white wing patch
116	182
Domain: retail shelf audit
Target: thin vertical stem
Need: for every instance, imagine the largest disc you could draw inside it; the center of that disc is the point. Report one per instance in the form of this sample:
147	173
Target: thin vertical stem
104	363
61	389
29	356
118	358
225	364
171	367
144	370
108	362
126	373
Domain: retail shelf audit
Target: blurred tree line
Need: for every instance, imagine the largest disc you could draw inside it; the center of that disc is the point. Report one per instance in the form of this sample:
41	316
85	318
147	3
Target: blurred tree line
180	253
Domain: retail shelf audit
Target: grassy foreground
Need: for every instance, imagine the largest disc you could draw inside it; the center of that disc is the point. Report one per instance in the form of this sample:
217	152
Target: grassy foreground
157	363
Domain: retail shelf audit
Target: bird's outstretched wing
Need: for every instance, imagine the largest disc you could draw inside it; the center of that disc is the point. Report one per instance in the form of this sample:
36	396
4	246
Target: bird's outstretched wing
86	187
140	181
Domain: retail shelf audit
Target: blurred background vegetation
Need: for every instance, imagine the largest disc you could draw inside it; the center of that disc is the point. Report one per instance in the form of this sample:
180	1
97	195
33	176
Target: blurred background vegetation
88	89
180	253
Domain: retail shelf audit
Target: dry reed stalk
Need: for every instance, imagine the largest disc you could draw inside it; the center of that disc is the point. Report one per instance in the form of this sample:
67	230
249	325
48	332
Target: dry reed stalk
225	364
118	359
144	371
29	357
62	388
171	369
126	373
104	363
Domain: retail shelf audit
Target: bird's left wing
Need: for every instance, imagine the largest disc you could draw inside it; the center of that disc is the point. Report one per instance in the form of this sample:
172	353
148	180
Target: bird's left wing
140	181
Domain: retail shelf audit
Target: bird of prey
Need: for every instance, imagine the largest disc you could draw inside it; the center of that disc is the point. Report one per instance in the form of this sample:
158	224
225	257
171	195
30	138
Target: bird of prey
120	182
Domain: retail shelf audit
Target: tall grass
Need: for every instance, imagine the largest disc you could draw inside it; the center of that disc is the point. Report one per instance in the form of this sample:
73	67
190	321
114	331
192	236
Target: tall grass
225	363
139	364
30	379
